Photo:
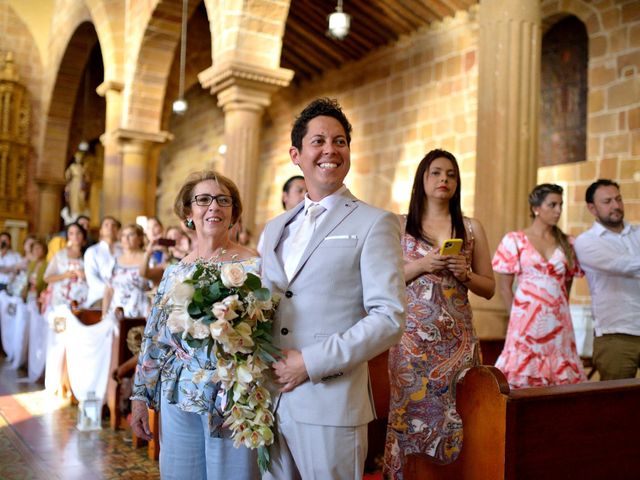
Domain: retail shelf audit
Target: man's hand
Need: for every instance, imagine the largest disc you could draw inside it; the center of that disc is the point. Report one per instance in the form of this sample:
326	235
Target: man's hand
290	370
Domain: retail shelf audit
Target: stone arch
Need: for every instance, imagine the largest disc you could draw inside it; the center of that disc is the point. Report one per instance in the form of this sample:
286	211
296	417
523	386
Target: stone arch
52	161
145	89
108	19
552	12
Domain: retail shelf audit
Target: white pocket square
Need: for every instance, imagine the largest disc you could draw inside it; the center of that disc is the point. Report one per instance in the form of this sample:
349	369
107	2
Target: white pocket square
341	237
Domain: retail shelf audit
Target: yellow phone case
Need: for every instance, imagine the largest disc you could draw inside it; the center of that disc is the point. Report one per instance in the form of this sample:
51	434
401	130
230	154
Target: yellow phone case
451	246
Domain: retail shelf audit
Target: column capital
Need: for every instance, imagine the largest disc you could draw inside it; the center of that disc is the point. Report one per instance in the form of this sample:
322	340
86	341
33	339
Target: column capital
242	86
109	85
136	137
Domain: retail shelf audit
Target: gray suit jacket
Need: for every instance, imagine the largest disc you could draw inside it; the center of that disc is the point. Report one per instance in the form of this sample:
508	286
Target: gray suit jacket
344	305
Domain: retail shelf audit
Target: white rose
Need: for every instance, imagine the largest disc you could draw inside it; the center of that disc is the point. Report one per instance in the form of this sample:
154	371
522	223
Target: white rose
199	330
233	275
179	320
182	293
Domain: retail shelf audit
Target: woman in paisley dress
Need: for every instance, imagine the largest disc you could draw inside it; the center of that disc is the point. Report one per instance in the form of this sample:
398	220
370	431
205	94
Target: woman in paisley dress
173	377
127	288
540	347
439	342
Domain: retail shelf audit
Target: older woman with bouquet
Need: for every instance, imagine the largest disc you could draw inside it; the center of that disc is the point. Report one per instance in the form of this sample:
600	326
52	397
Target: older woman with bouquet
178	370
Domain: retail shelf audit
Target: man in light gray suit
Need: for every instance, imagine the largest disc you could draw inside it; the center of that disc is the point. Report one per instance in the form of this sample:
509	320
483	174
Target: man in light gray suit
343	303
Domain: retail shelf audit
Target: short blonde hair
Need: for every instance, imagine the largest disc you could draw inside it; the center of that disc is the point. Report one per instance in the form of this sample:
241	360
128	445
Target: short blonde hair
182	205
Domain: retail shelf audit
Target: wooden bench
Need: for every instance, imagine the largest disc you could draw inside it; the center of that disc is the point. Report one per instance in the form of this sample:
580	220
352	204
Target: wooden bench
120	354
583	431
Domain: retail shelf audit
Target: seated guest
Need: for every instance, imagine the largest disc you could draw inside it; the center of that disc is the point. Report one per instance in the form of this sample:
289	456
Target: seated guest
85	222
193	443
609	253
540	347
9	260
126	288
99	260
154	231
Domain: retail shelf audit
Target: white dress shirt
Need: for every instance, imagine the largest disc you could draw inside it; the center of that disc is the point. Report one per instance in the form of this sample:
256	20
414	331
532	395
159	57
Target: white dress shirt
8	260
292	227
98	267
611	262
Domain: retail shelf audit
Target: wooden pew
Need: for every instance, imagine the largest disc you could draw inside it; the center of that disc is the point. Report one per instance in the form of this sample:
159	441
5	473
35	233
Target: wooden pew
119	354
588	430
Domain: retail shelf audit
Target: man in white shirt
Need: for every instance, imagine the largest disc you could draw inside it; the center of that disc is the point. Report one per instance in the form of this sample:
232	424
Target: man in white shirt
99	260
9	260
609	253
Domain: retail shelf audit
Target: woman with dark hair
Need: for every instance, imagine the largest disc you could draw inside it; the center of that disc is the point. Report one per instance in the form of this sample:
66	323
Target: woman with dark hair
175	378
439	342
65	273
540	346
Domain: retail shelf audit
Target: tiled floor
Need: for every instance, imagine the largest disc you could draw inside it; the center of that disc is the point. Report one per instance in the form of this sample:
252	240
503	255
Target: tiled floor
39	440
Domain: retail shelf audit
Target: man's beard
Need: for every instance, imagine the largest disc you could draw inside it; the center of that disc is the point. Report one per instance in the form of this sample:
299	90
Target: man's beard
612	223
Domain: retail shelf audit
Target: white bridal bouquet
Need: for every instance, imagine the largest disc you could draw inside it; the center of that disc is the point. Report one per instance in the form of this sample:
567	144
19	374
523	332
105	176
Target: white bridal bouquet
226	310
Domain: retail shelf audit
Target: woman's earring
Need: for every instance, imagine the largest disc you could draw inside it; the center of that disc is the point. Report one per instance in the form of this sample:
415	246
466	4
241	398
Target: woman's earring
230	226
189	224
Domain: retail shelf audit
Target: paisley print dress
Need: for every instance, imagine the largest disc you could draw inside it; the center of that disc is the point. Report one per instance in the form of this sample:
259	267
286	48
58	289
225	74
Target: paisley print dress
540	347
439	344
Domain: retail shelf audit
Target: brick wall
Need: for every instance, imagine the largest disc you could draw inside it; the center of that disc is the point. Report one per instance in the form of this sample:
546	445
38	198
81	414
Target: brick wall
402	101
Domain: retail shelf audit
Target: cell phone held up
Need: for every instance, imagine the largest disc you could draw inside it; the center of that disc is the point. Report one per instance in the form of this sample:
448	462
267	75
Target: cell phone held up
451	246
166	242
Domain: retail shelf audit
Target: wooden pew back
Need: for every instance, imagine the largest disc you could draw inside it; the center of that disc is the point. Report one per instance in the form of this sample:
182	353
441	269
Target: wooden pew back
590	430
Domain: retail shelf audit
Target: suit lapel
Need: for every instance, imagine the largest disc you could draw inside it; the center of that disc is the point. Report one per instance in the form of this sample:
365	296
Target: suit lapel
347	204
282	221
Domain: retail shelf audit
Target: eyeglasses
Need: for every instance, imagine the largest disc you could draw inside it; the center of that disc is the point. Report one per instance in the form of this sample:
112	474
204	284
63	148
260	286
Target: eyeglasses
204	200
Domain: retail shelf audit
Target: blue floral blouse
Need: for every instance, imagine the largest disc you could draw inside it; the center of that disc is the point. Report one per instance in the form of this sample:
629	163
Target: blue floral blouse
180	373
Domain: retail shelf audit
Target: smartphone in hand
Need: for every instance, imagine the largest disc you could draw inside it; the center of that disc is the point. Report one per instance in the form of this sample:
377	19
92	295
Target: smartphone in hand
451	246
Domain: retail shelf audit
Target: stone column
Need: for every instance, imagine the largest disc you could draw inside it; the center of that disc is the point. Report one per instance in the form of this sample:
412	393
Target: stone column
243	92
138	180
112	172
50	204
508	104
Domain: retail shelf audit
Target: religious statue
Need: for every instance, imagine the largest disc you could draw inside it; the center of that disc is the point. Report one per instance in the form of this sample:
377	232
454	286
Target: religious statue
76	188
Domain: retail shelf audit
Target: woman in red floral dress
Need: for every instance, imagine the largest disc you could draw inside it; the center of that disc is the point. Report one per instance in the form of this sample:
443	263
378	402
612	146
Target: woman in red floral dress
540	347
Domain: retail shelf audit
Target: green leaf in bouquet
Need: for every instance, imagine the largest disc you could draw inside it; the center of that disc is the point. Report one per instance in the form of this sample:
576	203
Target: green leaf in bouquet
194	310
262	294
252	282
263	459
266	356
194	342
209	348
197	296
214	292
198	272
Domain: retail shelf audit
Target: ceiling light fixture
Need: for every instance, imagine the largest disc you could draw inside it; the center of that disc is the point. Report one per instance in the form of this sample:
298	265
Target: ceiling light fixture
180	105
339	23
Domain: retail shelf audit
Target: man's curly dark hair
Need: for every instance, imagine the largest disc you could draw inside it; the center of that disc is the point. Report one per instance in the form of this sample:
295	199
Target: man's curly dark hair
326	107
